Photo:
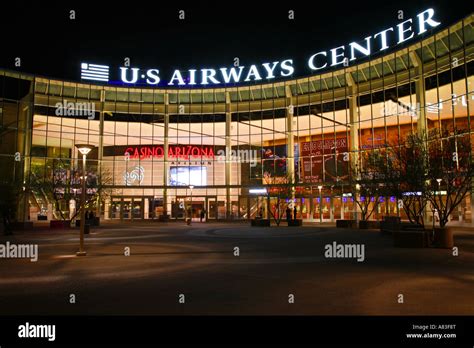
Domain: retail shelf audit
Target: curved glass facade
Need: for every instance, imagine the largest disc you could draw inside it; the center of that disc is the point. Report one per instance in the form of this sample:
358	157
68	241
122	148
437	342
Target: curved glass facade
223	150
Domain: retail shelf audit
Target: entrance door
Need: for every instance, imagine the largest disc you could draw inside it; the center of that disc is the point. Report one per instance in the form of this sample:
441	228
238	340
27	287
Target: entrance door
137	208
126	209
196	208
322	209
115	208
337	208
212	208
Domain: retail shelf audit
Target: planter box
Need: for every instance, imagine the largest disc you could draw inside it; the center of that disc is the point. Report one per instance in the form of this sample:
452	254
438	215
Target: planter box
94	221
392	219
21	226
368	224
91	222
164	218
389	224
298	222
411	239
59	224
346	223
260	222
443	237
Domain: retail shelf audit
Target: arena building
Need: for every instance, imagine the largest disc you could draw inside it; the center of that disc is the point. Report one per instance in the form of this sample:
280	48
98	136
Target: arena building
221	149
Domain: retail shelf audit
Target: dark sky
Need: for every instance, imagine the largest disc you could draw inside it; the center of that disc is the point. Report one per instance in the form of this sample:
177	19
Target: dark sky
212	34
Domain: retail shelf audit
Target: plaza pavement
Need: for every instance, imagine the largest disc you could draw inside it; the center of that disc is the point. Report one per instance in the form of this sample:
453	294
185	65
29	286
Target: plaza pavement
169	259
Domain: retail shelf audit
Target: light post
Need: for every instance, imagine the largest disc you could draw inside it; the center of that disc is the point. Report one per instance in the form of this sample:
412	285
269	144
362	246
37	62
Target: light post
439	185
84	149
355	205
320	204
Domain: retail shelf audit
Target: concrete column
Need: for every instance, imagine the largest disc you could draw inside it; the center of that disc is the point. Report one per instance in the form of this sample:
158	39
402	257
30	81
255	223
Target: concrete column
331	209
421	120
146	208
342	208
228	148
107	209
100	150
421	124
354	121
353	131
290	151
26	121
166	122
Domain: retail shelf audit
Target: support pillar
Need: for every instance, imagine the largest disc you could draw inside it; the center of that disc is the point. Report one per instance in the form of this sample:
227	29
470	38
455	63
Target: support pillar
166	122
331	208
421	120
228	149
24	147
100	150
290	151
353	133
146	208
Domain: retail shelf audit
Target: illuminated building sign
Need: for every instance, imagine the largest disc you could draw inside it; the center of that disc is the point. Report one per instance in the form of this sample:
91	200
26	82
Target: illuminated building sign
134	176
185	152
389	37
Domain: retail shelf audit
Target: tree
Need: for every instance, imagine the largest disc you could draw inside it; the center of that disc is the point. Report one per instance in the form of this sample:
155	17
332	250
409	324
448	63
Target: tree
367	182
449	172
59	184
430	168
405	170
10	195
280	191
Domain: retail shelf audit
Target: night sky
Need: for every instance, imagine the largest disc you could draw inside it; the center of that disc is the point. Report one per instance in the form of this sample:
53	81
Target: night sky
213	33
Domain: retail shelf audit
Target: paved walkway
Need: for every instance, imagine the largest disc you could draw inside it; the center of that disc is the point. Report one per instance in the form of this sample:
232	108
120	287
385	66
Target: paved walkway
200	262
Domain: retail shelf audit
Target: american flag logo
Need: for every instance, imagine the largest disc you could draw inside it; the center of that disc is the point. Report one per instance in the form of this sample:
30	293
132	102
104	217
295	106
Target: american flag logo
94	72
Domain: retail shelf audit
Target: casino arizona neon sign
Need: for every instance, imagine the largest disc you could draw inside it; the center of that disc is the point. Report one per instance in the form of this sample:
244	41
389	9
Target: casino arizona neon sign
174	152
342	55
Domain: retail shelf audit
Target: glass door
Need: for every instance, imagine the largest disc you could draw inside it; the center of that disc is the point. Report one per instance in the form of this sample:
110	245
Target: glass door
137	208
211	208
115	208
126	209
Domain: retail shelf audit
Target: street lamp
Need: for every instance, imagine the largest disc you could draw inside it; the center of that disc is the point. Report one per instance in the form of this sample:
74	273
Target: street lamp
84	149
439	184
355	202
320	204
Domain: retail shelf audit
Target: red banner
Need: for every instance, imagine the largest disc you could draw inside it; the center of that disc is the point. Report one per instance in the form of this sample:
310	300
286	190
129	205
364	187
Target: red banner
330	155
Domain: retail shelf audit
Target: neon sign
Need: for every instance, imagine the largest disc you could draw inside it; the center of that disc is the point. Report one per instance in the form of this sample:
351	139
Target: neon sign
174	151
